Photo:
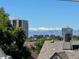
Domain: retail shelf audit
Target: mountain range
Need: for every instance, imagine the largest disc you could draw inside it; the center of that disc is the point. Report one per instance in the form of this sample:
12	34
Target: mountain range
50	32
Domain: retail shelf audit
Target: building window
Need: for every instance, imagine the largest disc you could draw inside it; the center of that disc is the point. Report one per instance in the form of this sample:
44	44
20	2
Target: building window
67	37
20	23
14	23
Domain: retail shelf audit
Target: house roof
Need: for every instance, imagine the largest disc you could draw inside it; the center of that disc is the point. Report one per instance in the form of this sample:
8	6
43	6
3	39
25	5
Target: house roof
2	54
61	55
49	49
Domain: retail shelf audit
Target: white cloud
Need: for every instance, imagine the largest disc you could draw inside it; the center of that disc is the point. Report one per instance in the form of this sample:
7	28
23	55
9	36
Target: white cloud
35	29
44	28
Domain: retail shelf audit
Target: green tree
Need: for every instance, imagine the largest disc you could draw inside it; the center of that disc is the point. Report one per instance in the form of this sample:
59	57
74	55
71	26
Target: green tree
39	44
12	39
20	38
4	18
5	34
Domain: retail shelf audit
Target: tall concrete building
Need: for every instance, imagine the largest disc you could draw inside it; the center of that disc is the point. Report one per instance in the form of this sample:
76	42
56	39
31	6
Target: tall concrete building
20	23
67	37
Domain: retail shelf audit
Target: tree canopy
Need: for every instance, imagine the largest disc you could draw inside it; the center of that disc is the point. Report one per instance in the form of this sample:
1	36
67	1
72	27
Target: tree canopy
12	39
4	18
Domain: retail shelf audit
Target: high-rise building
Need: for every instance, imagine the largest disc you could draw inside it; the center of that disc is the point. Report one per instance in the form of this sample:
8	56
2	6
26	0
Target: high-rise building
67	37
20	23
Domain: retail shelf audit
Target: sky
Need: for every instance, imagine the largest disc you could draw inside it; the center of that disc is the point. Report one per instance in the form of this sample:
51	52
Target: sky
44	13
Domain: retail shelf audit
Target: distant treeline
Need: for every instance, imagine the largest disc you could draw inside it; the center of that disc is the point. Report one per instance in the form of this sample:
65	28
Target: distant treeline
54	37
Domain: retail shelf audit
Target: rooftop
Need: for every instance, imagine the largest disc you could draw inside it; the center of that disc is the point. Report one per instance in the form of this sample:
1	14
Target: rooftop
49	49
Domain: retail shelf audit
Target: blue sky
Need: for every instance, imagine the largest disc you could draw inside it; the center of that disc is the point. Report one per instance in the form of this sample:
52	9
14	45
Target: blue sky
44	13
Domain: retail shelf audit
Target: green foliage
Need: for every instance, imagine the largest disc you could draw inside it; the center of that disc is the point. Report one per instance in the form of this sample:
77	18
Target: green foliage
47	37
18	51
19	36
4	18
75	37
12	39
39	44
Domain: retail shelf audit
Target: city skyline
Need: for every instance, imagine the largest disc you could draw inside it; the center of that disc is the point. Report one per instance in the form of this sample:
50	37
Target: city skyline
44	13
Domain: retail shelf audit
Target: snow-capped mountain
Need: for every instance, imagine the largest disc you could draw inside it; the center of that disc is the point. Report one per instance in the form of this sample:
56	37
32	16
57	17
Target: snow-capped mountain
48	31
